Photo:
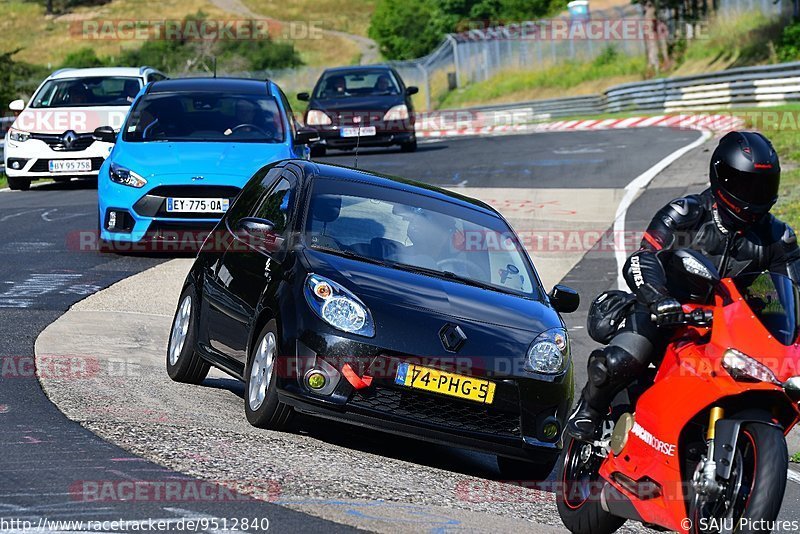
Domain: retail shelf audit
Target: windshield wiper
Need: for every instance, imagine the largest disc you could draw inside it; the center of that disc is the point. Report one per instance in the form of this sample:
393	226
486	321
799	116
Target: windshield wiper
350	254
449	275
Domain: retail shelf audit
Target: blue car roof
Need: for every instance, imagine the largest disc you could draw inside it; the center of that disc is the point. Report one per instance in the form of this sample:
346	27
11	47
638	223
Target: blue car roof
227	85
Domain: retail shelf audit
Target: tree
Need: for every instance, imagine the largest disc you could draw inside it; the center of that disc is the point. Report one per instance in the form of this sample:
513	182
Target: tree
405	30
413	28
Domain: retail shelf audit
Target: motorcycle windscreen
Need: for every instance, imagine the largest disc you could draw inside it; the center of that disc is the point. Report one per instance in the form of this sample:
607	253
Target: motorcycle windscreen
774	300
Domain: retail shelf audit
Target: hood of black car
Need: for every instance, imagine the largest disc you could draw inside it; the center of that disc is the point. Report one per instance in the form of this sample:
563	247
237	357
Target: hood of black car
388	291
357	103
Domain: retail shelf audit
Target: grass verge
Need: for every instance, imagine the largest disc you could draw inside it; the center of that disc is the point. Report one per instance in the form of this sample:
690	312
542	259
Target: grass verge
47	40
565	79
351	16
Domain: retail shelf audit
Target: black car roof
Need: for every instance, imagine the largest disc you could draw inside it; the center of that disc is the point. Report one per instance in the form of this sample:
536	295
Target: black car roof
327	170
228	85
354	68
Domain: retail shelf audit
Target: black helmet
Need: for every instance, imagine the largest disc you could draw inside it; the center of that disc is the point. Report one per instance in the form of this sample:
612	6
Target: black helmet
745	176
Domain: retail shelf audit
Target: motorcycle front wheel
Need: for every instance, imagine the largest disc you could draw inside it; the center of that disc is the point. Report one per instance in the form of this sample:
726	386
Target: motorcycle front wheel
578	491
755	488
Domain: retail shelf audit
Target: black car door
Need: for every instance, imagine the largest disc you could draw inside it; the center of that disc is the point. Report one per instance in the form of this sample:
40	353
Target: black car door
217	305
249	266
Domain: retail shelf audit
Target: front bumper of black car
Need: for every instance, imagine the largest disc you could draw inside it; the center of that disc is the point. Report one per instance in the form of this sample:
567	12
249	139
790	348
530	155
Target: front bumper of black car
331	137
513	425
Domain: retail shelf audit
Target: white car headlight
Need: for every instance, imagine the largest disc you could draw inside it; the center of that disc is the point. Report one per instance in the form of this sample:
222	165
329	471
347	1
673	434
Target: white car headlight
18	135
316	117
397	113
121	175
549	352
337	306
741	366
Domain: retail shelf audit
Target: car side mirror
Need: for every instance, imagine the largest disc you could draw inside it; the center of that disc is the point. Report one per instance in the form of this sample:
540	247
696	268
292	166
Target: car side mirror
259	233
412	90
303	97
105	134
564	299
305	136
17	105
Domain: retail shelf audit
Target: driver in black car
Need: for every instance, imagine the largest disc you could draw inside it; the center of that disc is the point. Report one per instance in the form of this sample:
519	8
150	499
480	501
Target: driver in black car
730	224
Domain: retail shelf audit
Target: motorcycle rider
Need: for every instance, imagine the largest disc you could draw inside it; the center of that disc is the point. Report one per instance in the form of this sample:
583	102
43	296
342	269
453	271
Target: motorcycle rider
731	225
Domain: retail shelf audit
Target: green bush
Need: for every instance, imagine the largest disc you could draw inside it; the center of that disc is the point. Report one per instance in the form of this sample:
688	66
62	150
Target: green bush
18	79
82	58
788	48
260	55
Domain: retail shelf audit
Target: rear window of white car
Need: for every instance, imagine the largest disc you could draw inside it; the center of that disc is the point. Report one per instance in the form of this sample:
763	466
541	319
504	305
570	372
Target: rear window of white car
87	92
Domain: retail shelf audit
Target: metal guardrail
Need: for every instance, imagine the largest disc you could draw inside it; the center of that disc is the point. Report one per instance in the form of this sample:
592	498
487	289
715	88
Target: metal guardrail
761	86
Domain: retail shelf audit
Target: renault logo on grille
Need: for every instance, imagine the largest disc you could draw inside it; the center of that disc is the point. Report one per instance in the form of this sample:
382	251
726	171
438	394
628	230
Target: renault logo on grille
453	338
69	138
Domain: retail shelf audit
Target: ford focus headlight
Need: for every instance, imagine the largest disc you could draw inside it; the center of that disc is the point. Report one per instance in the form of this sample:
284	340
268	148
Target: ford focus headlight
121	175
18	135
316	117
549	352
337	306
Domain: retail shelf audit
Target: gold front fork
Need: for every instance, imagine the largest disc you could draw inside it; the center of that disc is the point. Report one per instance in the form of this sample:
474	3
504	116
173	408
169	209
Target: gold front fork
717	413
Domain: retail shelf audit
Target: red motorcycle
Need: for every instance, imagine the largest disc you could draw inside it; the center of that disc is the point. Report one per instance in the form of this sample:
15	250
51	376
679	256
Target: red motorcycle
698	445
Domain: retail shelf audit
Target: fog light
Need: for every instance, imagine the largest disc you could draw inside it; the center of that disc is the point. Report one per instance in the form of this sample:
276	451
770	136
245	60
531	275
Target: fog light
15	165
550	430
112	220
316	380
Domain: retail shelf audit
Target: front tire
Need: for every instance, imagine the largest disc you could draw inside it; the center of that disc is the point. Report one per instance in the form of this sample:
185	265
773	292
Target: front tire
409	147
261	404
183	362
578	491
18	184
755	488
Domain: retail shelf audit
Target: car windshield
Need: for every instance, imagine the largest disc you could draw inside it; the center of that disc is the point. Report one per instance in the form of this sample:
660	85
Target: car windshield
203	116
773	299
87	92
417	232
340	84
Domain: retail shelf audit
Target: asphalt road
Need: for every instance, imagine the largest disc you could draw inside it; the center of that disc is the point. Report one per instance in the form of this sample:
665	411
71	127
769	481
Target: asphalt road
51	468
42	274
599	159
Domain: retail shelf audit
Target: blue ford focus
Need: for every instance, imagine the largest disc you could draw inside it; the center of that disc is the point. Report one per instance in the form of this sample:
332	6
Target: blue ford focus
186	149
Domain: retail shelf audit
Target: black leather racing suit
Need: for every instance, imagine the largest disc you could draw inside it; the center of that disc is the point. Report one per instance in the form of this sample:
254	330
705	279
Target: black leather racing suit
690	222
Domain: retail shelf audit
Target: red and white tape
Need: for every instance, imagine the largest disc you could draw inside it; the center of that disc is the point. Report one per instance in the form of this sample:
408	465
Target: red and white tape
711	122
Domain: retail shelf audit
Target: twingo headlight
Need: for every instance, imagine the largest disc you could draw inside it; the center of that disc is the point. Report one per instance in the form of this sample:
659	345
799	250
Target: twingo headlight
337	306
549	352
121	175
742	367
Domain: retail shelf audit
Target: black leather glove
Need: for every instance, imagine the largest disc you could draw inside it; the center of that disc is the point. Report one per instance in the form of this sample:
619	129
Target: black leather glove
667	311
